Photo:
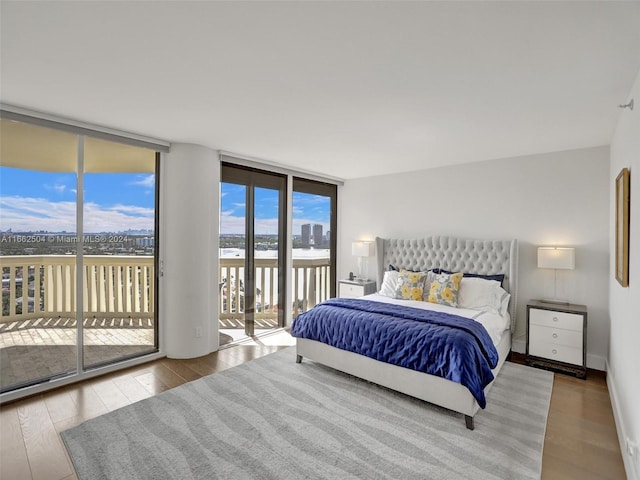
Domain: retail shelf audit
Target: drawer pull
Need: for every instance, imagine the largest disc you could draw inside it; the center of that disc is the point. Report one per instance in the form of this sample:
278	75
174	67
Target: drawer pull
555	335
555	319
554	351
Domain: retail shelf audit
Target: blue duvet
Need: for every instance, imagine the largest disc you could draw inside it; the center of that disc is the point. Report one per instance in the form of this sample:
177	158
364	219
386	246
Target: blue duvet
449	346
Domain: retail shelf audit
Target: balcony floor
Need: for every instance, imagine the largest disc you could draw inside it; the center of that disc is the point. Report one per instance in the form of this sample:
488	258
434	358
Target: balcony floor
45	347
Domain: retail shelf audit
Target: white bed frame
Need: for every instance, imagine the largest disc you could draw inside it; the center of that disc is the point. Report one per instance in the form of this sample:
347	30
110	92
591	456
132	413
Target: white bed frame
449	253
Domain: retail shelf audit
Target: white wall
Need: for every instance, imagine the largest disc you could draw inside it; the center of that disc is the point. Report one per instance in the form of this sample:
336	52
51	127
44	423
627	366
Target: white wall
624	352
560	198
189	193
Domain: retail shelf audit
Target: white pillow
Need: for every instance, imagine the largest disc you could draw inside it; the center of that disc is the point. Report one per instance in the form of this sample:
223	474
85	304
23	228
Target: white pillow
503	298
480	294
390	283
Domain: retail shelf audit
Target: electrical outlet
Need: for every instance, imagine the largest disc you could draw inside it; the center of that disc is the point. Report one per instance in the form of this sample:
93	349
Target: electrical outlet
198	332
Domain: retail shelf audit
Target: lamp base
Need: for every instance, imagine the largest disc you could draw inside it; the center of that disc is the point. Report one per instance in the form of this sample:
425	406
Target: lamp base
362	269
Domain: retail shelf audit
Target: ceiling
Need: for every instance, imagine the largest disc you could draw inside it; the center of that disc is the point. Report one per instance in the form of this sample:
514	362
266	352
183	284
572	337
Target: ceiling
344	89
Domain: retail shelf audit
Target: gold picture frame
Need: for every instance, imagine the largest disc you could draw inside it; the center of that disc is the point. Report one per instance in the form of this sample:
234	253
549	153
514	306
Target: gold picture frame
622	227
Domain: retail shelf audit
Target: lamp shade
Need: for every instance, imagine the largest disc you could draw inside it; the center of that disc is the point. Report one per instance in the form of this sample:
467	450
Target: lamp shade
362	249
560	258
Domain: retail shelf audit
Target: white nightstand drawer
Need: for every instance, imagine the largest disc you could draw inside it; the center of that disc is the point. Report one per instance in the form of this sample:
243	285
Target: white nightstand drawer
561	353
351	291
550	318
554	336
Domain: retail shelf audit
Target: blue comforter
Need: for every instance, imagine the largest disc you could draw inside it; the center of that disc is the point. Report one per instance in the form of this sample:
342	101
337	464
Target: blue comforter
449	346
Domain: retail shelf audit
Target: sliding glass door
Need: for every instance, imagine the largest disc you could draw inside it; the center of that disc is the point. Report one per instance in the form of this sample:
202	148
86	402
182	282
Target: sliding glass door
38	198
252	247
119	251
314	243
78	219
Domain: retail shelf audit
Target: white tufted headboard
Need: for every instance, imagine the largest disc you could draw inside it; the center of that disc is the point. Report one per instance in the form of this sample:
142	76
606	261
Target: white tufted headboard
487	257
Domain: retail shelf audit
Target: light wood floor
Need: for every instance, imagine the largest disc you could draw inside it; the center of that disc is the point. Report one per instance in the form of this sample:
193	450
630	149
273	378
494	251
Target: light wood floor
580	442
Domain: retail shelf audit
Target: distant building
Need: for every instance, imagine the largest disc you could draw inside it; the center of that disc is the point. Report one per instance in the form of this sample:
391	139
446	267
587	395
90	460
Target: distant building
317	235
306	234
145	242
328	237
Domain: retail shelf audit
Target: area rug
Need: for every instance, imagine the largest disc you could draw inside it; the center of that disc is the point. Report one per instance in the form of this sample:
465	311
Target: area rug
274	419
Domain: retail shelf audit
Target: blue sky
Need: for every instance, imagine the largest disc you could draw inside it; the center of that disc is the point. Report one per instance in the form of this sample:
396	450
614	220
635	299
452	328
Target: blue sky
307	208
34	201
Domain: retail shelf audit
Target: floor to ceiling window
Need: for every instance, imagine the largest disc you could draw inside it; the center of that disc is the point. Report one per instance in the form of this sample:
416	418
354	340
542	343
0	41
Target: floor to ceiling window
119	251
78	223
38	197
314	243
252	247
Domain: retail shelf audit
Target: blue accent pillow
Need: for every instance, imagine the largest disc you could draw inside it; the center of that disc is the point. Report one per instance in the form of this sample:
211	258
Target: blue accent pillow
393	268
499	276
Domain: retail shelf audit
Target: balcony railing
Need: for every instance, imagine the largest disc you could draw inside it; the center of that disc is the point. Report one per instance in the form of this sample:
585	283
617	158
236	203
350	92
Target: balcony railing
311	282
113	286
35	286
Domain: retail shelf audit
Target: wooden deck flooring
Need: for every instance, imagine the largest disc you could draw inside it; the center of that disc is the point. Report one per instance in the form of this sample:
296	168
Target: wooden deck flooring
44	347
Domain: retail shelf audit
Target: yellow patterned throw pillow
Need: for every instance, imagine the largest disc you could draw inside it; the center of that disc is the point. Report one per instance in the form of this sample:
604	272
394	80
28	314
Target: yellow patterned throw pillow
443	288
410	285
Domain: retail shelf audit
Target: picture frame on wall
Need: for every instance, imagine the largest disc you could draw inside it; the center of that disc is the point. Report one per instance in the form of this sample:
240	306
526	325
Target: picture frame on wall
622	227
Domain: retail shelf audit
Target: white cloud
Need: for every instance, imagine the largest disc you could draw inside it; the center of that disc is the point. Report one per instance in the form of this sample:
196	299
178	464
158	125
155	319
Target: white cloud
310	199
146	181
58	188
230	224
129	209
266	226
34	214
235	225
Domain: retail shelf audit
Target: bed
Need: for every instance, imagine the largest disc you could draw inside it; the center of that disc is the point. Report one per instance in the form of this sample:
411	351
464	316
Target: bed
477	257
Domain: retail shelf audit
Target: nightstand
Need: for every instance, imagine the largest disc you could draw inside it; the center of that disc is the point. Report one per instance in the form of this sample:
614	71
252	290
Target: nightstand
356	288
557	337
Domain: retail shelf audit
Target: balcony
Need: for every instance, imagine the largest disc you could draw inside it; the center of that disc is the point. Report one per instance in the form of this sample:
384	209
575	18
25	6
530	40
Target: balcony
38	322
310	281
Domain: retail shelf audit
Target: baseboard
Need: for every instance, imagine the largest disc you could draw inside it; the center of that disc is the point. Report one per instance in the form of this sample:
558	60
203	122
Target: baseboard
596	362
519	344
631	463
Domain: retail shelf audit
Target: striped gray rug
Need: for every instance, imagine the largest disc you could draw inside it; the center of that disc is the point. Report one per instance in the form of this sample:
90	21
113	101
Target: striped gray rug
274	419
